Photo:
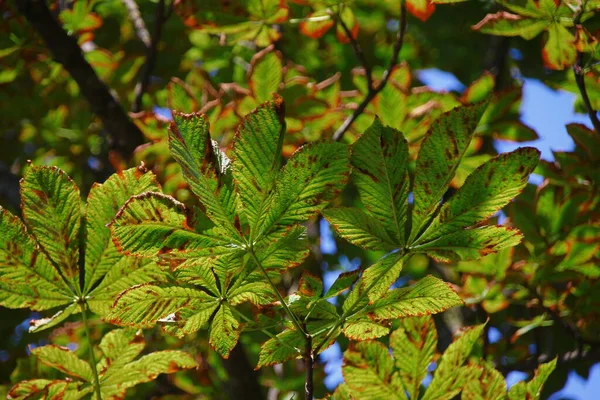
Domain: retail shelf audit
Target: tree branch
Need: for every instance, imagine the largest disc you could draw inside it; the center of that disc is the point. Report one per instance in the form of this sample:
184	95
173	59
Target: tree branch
373	89
242	378
309	362
580	80
578	70
151	54
569	358
138	22
359	53
124	135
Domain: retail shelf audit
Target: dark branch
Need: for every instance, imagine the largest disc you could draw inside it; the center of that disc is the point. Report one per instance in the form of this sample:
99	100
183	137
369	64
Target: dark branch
309	362
375	89
359	53
243	379
578	70
151	54
566	359
580	80
123	133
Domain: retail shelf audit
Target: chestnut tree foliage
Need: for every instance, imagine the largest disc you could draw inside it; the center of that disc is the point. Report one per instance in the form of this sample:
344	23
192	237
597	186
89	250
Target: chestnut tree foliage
274	184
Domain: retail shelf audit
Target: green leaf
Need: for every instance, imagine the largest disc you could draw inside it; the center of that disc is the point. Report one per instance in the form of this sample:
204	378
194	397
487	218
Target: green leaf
359	228
143	305
414	344
23	390
205	168
489	385
559	50
224	331
64	360
380	160
429	295
447	381
364	330
180	97
312	177
489	188
152	224
533	389
342	283
479	90
504	23
52	210
27	278
124	274
378	278
441	151
36	325
103	203
310	285
254	289
369	370
190	319
116	381
285	346
119	347
284	248
265	74
257	156
471	244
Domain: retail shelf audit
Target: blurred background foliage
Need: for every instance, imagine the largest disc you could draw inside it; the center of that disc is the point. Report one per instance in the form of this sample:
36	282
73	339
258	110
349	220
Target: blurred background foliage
223	57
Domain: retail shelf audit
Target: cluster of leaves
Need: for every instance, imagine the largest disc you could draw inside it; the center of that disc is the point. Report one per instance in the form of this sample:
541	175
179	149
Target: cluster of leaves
67	260
373	373
118	368
248	230
220	252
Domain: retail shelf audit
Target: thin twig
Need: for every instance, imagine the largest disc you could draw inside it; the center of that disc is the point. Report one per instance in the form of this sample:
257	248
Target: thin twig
151	54
375	89
289	312
138	22
92	356
350	312
359	53
309	362
580	80
124	135
578	70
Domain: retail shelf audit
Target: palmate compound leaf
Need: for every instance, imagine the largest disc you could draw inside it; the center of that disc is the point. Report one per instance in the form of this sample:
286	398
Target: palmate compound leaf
371	372
39	282
118	369
489	188
449	232
450	375
441	151
182	310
